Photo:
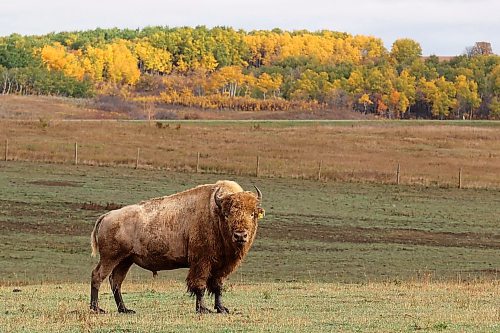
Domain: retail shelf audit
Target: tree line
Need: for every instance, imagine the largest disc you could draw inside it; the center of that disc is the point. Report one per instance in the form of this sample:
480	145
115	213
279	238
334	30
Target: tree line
259	70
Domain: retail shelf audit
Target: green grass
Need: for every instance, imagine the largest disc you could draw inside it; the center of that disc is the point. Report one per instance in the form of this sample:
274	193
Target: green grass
344	257
313	231
260	307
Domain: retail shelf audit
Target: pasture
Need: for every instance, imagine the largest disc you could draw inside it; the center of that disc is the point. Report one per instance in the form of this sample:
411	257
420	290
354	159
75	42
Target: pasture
345	257
429	153
350	253
163	306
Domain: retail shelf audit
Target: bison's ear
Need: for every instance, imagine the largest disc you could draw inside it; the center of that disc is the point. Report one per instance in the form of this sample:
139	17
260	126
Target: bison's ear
220	200
261	213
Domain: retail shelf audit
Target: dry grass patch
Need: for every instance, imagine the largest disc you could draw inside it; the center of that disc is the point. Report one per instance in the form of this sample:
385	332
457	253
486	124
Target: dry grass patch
266	307
428	154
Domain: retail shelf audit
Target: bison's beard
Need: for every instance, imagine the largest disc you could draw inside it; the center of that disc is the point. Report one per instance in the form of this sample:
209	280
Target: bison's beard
240	245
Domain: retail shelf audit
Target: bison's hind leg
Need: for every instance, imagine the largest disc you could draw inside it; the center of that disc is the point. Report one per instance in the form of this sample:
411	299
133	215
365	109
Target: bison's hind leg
115	280
100	272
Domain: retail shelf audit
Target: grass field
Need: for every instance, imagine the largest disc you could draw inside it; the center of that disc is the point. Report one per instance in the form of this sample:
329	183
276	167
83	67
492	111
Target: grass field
363	256
323	232
429	153
261	307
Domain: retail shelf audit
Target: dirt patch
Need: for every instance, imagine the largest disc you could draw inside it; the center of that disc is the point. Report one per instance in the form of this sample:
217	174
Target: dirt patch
96	206
76	229
54	183
349	234
491	273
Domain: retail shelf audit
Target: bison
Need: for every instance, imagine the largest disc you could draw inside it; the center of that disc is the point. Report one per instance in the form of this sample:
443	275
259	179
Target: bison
208	229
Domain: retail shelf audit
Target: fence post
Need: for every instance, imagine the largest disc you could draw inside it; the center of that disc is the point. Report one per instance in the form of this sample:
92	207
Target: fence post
460	178
257	167
76	153
319	169
6	149
137	159
198	163
398	174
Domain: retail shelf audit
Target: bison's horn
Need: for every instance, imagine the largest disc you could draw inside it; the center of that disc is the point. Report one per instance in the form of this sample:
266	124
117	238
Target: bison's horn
259	194
217	199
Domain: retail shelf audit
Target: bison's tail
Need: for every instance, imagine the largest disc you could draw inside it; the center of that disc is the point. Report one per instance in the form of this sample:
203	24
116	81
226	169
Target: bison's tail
93	236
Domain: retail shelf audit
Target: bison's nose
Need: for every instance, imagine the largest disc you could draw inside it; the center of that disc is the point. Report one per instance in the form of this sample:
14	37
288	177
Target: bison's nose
240	236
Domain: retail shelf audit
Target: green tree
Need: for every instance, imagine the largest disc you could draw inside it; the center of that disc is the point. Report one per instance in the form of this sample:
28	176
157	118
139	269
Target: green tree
404	52
494	108
468	99
312	86
17	51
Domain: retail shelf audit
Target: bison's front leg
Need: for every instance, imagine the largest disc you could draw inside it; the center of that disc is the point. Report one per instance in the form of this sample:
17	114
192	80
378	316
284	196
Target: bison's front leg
215	287
196	282
218	303
200	301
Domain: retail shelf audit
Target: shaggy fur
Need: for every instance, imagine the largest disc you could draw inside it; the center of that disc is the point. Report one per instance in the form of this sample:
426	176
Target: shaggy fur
192	229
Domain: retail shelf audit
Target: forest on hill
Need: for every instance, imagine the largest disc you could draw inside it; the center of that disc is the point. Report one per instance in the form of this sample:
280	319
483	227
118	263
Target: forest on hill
224	68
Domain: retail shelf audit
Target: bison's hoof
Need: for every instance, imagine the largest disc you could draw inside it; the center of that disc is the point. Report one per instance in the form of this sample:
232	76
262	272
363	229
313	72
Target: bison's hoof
203	310
97	310
222	309
125	310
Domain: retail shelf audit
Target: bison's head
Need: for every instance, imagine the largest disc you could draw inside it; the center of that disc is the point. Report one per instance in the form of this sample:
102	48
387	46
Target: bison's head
241	211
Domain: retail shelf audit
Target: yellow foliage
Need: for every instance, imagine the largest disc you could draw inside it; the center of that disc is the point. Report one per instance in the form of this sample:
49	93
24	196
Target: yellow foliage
93	62
266	47
153	59
55	57
269	83
365	100
121	63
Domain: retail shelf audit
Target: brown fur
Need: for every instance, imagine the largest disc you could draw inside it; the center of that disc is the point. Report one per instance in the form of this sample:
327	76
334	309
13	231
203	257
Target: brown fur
187	229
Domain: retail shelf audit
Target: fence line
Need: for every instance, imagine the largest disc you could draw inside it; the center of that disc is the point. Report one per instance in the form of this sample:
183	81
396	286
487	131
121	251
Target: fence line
460	178
398	174
257	167
76	153
137	159
320	176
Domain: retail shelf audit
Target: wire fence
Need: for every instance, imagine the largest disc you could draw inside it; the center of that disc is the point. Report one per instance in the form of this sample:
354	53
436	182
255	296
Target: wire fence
200	162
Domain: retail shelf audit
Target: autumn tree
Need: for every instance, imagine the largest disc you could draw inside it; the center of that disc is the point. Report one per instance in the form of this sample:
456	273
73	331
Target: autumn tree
404	52
494	106
467	96
312	85
152	59
440	96
56	57
365	101
120	65
223	67
269	83
228	80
